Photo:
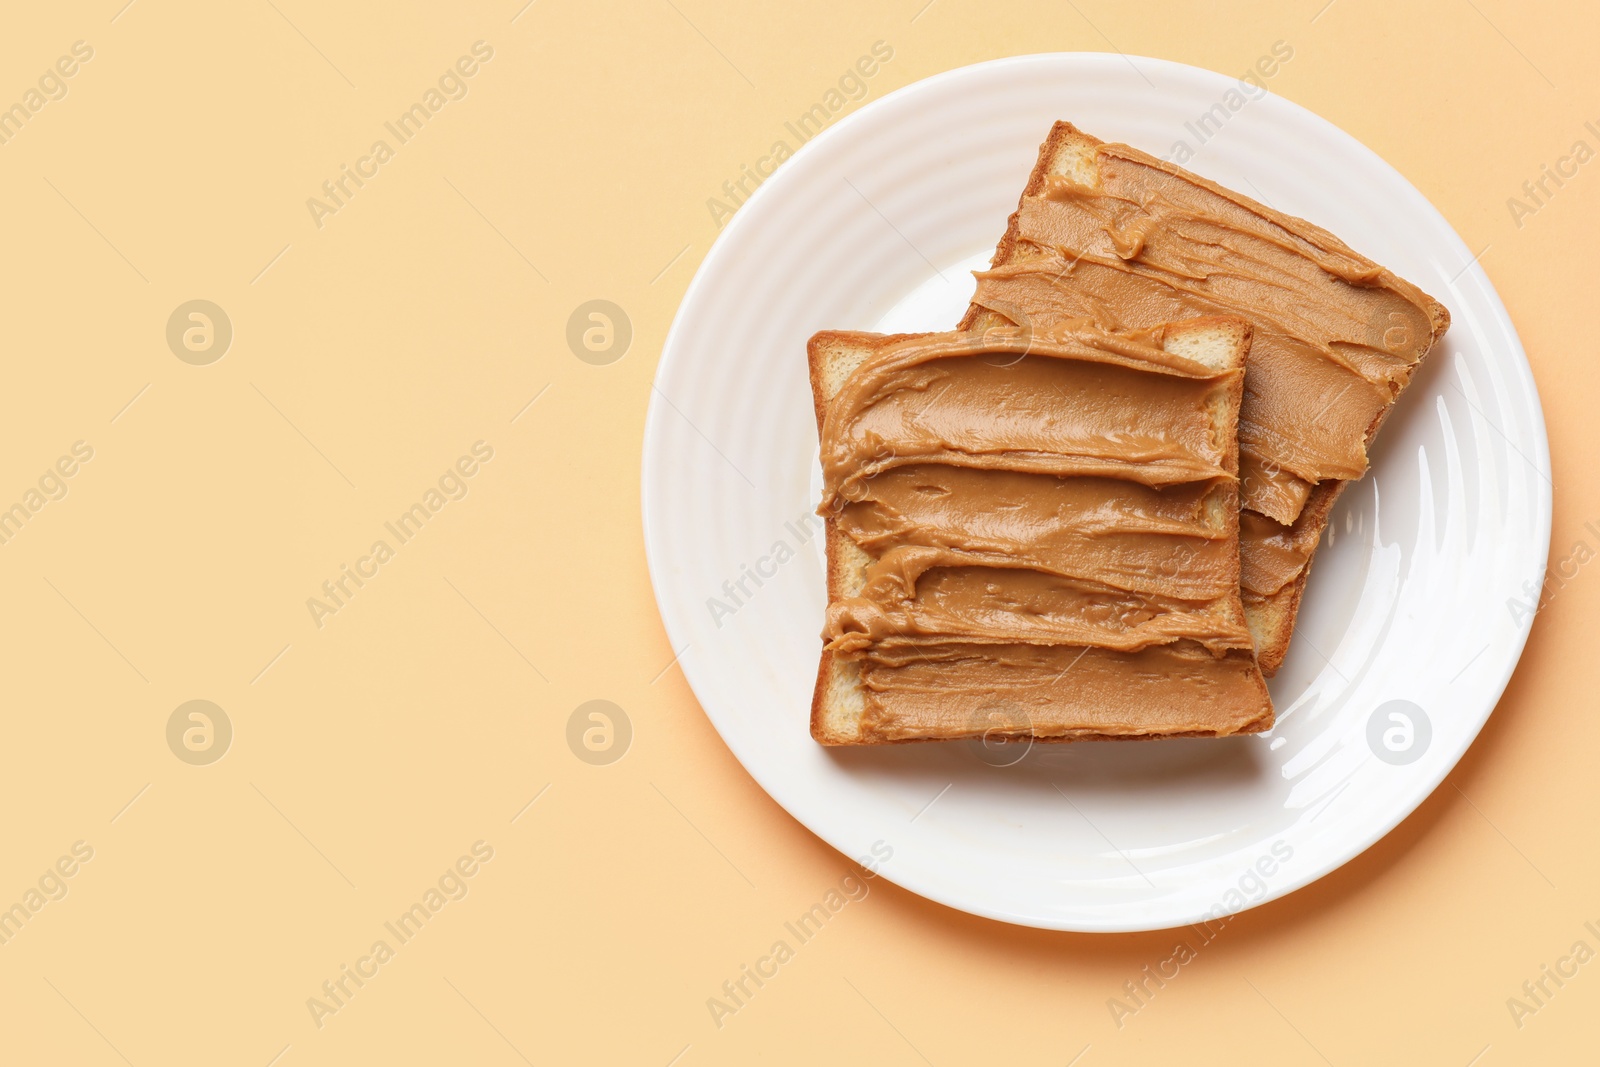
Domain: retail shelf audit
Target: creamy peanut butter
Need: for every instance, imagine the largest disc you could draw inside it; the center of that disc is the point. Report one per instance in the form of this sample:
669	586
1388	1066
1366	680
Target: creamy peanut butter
1275	555
1034	503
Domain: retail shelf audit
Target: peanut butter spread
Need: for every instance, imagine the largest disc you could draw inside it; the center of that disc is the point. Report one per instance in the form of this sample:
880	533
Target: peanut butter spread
1271	555
1336	335
1031	503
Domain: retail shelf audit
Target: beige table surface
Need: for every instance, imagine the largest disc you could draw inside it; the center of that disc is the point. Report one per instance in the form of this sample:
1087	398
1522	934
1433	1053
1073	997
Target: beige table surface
380	739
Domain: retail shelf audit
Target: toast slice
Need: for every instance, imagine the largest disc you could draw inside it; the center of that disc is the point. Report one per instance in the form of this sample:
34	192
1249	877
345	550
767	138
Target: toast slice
916	670
1107	232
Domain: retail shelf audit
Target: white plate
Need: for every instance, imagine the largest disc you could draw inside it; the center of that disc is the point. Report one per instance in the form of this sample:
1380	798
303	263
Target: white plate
874	225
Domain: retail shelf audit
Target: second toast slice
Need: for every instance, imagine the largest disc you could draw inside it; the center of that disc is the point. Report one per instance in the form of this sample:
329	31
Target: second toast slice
1107	232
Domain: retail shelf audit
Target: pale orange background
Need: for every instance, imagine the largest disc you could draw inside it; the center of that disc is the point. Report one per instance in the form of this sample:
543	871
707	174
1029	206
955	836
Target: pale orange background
421	318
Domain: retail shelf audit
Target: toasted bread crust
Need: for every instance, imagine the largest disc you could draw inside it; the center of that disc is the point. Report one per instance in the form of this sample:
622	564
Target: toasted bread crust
817	351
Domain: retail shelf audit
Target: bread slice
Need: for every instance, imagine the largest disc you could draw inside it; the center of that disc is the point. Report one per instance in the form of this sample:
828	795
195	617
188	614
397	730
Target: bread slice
1072	159
1155	685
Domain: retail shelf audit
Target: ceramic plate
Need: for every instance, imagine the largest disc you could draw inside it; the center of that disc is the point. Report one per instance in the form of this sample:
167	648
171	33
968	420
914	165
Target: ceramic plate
1410	627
